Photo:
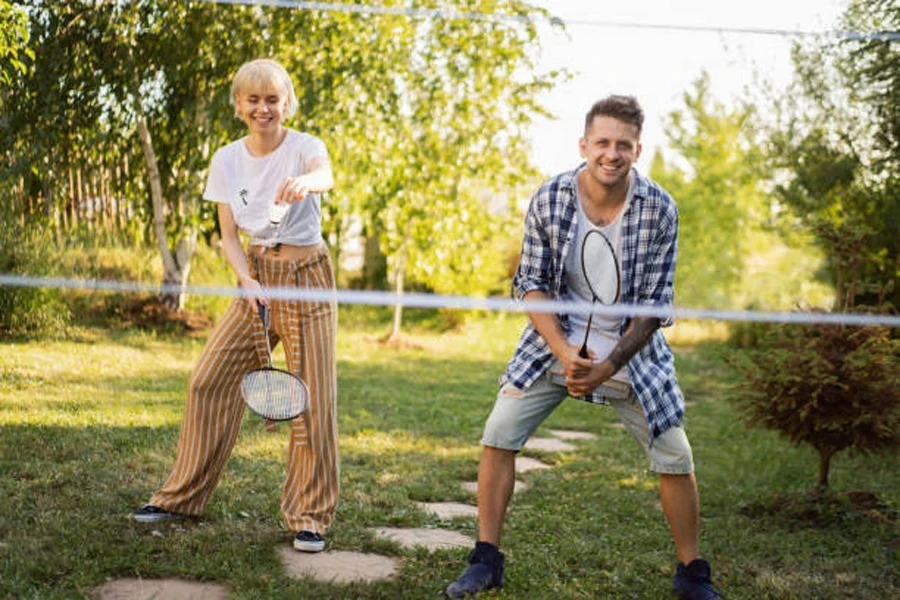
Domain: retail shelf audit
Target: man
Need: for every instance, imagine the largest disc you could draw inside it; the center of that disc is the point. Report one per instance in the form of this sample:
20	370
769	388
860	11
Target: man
629	363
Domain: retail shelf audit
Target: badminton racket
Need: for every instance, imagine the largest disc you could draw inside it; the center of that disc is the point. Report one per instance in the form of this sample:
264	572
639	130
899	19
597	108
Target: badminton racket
273	394
601	273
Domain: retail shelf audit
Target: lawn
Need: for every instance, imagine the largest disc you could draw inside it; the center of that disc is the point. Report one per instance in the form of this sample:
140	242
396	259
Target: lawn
89	428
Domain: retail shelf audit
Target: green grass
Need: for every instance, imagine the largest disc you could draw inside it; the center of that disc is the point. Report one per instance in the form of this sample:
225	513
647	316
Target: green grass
88	429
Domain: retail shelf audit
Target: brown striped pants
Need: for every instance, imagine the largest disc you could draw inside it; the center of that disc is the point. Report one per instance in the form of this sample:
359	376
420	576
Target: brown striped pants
214	409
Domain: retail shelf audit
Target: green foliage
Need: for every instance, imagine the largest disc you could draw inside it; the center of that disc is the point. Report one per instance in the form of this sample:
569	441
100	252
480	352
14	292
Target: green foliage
728	256
425	120
28	311
836	146
14	48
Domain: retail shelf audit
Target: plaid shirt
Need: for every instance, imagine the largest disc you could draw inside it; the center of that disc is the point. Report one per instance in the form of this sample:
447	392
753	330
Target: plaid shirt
649	236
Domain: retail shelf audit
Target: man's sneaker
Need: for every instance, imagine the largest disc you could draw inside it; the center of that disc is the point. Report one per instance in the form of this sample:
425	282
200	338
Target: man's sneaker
693	582
485	571
309	541
153	514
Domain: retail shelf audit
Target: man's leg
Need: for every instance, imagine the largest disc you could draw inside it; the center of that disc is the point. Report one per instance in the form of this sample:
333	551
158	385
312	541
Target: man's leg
681	505
672	458
515	416
496	480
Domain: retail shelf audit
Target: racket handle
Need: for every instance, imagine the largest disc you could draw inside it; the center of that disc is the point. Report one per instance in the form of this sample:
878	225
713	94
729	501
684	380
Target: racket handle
263	313
583	353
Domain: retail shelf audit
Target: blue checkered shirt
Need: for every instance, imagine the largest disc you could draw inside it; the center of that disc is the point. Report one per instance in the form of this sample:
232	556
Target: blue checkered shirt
649	250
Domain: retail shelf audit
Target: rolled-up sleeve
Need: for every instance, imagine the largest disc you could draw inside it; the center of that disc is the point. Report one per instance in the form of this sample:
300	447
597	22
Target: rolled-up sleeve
657	287
534	271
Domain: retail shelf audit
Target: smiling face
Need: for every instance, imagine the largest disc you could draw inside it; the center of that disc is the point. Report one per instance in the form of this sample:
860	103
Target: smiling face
261	107
610	147
263	96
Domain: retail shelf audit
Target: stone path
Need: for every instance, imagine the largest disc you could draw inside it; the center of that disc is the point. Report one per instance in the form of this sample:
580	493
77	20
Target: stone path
342	566
159	589
449	510
337	565
432	539
472	486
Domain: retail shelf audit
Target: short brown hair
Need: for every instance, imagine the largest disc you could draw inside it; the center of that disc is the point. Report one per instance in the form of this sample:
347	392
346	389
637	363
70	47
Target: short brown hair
623	108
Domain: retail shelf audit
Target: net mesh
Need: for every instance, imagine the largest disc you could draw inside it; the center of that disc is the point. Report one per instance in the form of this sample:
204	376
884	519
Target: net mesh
274	394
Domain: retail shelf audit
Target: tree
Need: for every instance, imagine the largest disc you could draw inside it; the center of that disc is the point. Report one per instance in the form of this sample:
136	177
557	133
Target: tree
836	145
143	81
716	183
419	115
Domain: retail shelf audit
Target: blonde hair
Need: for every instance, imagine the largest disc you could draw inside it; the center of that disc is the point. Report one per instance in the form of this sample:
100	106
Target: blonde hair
261	73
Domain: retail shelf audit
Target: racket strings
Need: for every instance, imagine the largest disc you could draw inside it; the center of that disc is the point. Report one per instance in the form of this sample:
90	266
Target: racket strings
274	394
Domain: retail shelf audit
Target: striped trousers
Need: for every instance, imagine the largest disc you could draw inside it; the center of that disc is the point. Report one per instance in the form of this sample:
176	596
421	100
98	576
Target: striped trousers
214	408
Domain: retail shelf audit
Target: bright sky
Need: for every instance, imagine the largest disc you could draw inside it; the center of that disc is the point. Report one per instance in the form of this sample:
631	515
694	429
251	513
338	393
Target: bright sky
658	66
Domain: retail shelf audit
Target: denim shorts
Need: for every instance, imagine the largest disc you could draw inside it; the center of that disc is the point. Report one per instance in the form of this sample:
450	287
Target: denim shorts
518	413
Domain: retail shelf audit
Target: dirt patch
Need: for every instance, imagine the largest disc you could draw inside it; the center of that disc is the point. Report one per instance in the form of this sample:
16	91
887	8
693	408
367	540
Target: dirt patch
823	508
148	313
159	589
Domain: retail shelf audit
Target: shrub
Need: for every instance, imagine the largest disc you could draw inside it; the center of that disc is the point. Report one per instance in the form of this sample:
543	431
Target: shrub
833	387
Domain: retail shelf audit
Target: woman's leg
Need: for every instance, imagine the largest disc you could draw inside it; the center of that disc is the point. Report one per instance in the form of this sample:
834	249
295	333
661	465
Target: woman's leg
307	330
212	415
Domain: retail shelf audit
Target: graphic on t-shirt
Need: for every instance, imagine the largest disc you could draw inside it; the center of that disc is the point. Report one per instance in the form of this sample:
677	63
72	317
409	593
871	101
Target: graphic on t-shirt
243	193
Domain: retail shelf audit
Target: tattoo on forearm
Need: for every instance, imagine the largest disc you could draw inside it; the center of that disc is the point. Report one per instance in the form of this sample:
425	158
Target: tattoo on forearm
633	340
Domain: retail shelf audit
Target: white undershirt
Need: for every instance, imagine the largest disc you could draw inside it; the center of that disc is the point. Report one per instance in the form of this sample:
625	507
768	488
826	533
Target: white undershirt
604	334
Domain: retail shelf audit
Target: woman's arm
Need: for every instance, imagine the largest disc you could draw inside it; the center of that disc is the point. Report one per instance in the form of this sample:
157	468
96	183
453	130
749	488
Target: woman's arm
315	181
235	254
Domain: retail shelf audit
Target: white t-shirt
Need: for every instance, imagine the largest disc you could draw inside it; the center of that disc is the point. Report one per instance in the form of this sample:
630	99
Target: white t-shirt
604	334
248	184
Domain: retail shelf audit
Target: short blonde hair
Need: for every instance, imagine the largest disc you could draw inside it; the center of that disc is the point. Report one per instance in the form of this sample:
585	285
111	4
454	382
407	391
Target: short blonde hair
262	73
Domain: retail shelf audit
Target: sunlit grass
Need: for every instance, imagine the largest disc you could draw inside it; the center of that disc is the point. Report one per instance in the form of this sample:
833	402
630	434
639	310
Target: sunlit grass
88	429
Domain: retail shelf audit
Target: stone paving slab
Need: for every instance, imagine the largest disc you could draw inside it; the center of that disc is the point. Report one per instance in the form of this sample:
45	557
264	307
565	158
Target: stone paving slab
159	589
567	434
338	566
449	510
432	539
523	464
549	445
472	486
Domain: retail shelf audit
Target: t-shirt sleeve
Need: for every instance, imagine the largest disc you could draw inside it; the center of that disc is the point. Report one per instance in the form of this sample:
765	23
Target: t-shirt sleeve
312	147
216	183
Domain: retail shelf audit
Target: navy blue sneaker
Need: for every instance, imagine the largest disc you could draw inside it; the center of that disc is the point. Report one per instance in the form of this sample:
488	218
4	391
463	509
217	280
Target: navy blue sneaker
693	582
485	571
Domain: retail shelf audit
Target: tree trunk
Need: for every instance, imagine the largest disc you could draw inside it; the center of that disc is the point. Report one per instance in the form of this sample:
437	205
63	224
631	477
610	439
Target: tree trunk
399	271
374	269
824	467
175	266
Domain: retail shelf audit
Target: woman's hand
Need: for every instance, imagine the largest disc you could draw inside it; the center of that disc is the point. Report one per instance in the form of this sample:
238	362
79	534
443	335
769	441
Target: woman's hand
292	189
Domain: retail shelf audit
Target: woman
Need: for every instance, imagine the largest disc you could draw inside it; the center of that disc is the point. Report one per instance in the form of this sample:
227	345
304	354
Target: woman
267	184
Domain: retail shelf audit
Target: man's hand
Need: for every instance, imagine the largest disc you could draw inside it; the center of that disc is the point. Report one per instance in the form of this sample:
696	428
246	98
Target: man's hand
581	383
573	364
